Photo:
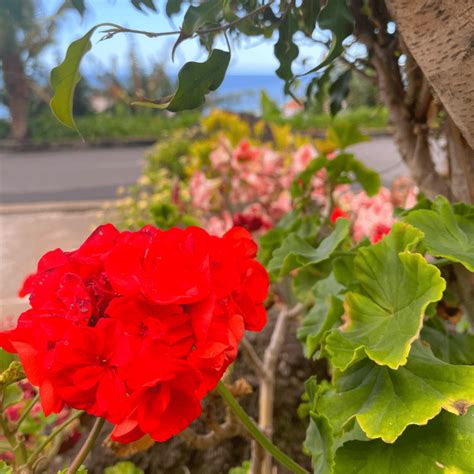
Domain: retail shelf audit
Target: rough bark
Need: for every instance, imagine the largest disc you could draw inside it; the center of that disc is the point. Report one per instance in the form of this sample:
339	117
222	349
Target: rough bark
16	86
440	36
407	101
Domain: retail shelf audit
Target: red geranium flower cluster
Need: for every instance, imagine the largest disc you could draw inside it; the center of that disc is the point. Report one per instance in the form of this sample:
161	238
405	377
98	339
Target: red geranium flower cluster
137	327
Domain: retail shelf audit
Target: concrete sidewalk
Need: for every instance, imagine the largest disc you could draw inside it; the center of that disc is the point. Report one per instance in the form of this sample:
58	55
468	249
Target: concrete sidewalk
24	238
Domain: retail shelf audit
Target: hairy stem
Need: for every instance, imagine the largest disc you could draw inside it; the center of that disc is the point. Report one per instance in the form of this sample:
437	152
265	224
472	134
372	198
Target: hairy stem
53	434
87	446
27	411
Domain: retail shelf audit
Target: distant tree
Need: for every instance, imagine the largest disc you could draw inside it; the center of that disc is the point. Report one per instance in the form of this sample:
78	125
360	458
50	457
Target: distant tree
23	36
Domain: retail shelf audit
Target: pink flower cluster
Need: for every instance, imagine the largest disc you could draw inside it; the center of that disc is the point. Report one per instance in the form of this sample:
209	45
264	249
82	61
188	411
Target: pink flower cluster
248	187
373	217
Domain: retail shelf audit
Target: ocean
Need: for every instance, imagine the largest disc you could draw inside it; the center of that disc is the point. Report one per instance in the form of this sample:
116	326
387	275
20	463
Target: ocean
241	93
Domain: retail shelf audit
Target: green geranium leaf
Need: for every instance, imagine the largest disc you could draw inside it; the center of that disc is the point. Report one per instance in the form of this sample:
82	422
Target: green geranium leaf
12	394
345	166
386	401
443	446
5	360
345	134
13	373
5	468
452	347
295	252
385	317
325	314
82	470
447	234
195	80
124	467
302	183
244	469
319	442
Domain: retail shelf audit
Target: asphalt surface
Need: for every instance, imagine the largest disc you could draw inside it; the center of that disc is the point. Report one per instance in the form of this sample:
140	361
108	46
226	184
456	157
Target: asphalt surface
94	174
67	175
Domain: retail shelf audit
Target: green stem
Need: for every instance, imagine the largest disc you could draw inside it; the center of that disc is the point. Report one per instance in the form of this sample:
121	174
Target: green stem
441	262
16	442
53	434
256	434
27	411
87	446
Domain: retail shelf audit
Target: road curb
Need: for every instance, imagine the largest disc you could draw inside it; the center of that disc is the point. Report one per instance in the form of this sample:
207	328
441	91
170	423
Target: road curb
51	206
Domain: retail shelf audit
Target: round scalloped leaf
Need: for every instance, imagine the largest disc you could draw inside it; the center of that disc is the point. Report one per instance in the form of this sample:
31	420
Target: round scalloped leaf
386	316
448	234
443	446
386	401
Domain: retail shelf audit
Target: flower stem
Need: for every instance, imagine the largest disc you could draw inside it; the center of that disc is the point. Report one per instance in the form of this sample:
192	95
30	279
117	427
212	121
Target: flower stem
87	446
256	434
53	434
27	411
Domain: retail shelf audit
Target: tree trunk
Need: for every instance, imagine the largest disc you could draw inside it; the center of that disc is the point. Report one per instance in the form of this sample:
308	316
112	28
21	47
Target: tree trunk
440	36
16	86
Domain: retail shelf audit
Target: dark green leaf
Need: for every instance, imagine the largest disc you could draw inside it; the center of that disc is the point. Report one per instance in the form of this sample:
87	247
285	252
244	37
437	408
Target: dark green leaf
338	91
79	6
285	49
336	17
195	80
138	4
65	77
452	347
308	14
209	12
326	312
173	7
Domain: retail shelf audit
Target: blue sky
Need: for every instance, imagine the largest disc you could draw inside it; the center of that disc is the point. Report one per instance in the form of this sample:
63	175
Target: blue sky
252	56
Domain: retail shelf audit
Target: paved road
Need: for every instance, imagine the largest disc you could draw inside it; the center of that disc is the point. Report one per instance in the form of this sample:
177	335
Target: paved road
64	175
90	174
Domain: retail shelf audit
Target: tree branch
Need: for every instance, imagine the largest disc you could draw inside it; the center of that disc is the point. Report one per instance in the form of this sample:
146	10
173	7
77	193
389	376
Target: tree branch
153	34
262	460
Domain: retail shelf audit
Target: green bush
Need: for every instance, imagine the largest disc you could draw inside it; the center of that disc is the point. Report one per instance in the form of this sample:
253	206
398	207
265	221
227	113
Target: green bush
45	128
